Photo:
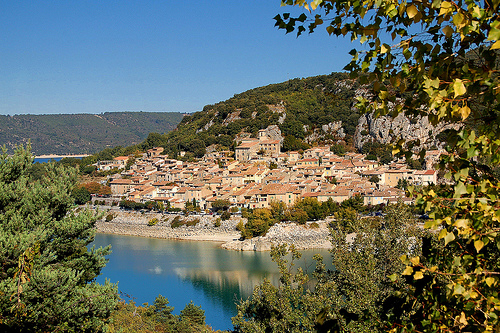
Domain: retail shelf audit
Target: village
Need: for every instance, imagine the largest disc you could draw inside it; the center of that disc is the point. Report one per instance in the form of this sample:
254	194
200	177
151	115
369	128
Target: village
257	173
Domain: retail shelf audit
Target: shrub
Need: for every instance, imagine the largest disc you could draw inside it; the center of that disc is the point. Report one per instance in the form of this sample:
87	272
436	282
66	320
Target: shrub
193	222
313	225
153	221
110	217
225	216
218	222
176	222
240	226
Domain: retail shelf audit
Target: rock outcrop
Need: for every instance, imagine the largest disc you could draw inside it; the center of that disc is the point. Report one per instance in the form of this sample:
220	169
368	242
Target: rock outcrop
307	236
386	129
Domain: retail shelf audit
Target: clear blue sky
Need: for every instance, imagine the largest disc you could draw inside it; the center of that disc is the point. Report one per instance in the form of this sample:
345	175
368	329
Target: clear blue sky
121	55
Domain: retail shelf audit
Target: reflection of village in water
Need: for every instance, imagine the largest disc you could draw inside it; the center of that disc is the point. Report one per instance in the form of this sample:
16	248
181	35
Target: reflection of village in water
181	269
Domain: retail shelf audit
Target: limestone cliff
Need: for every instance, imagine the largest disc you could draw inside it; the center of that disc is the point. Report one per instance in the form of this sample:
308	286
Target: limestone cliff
387	129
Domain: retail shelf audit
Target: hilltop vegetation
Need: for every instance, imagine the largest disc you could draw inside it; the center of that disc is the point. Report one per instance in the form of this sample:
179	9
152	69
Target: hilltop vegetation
83	133
298	107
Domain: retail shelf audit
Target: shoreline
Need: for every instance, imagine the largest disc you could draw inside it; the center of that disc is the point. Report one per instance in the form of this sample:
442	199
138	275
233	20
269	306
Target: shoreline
59	156
136	224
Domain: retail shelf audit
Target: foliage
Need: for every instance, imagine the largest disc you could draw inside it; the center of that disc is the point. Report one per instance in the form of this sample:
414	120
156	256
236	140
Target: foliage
220	204
225	216
291	307
177	222
357	296
259	222
374	179
193	314
338	149
81	195
96	188
47	272
443	64
109	217
158	317
83	133
153	221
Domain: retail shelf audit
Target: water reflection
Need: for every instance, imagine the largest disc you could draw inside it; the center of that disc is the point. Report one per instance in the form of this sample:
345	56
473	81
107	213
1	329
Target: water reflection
186	270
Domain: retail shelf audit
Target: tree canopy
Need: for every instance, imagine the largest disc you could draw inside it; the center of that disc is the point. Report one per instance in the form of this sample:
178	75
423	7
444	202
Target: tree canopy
436	59
47	273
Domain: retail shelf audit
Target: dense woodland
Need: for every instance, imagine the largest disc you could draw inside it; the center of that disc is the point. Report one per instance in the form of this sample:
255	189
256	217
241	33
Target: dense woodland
83	133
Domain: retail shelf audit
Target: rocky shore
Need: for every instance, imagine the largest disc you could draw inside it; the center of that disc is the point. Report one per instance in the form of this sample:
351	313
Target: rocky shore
309	236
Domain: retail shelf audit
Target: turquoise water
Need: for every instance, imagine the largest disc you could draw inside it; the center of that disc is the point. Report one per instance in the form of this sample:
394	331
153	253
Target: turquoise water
187	270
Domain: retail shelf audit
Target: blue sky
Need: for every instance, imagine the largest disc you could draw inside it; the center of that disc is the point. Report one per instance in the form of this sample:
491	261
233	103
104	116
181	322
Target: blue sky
98	56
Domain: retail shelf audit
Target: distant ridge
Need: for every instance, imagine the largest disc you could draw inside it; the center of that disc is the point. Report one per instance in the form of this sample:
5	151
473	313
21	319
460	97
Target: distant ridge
65	134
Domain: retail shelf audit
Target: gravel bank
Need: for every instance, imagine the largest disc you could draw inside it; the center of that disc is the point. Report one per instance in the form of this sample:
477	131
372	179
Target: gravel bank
309	236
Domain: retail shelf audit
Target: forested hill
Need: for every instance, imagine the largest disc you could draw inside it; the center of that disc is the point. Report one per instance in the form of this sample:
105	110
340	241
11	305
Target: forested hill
83	133
300	107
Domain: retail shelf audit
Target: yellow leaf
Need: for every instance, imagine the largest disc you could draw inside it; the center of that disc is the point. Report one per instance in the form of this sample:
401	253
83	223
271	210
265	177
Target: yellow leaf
384	48
411	11
459	88
489	281
418	275
415	261
463	319
496	45
446	7
464	112
478	245
408	270
314	4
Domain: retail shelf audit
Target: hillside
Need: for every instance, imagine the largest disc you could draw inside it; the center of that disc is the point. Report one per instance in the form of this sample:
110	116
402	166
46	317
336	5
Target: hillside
83	133
306	110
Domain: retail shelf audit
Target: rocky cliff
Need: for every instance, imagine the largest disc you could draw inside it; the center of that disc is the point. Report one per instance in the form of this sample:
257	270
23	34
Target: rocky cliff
386	130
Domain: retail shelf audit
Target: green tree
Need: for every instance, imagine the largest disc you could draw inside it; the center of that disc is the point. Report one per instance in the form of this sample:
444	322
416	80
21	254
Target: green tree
357	296
47	273
193	313
437	59
81	195
374	179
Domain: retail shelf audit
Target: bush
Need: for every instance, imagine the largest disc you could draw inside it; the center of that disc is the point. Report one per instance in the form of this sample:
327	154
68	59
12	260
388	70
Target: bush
153	221
110	217
192	223
218	222
176	222
313	225
225	216
240	226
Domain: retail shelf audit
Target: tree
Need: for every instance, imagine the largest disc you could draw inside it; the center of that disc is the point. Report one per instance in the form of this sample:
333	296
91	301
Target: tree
357	296
81	195
374	179
47	273
193	313
436	59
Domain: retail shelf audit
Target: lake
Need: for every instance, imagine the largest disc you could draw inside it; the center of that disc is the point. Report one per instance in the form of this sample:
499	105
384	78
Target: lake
189	270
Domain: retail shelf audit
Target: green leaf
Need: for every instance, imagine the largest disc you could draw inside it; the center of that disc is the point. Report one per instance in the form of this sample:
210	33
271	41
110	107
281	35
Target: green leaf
459	190
458	289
